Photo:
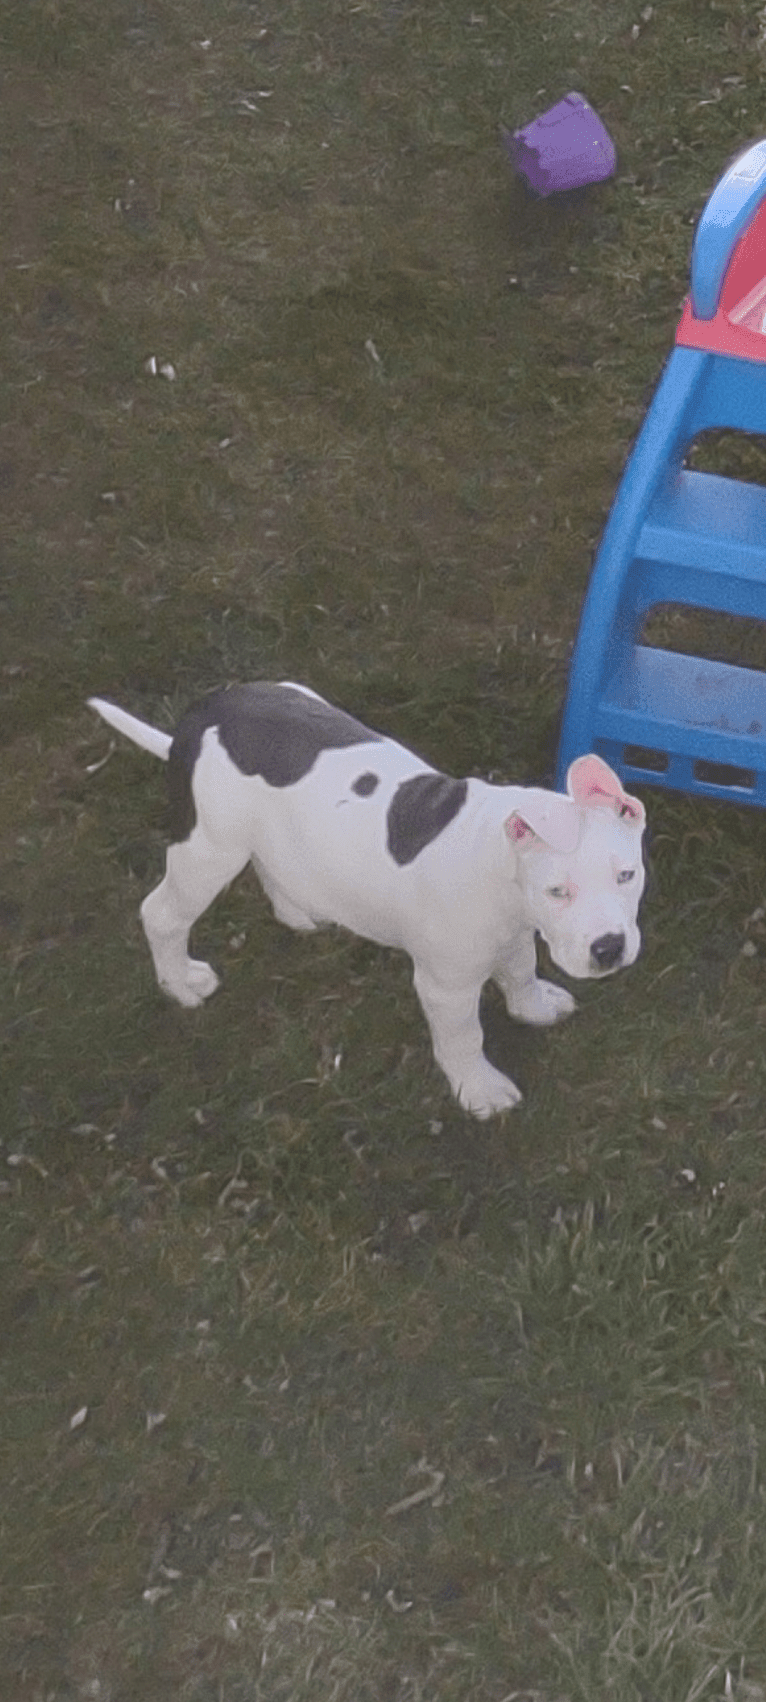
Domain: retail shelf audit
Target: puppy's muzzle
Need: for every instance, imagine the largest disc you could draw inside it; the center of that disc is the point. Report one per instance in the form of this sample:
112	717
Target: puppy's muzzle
608	952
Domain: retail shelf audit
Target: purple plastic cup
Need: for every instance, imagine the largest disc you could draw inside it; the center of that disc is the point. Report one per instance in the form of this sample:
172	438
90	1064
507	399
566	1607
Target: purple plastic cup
563	148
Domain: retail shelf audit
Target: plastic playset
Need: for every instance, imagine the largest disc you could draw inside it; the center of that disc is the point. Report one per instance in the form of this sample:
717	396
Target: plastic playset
685	538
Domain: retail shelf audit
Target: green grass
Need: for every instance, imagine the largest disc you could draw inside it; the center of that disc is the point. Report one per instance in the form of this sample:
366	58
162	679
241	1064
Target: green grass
375	1404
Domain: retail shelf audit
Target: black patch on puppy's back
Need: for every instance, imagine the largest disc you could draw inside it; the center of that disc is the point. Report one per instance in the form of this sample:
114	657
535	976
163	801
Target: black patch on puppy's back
267	729
419	811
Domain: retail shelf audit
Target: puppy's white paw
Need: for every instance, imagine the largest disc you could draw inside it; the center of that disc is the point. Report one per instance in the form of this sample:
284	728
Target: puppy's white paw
485	1091
541	1003
196	984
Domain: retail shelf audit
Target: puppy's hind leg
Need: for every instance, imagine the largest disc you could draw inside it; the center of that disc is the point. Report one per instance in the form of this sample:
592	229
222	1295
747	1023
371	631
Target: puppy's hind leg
196	871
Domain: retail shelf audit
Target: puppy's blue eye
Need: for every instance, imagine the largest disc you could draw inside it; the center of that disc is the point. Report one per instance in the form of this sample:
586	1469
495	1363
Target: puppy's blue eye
558	892
624	876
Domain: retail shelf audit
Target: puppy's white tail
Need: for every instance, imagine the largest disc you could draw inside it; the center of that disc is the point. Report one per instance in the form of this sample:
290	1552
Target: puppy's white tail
150	738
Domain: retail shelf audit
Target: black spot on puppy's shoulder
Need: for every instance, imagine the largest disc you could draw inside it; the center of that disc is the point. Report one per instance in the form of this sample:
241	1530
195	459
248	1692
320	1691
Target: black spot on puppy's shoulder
420	810
365	785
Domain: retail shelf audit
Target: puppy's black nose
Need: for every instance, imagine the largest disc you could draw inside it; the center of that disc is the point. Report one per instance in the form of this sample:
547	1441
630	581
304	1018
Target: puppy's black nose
608	951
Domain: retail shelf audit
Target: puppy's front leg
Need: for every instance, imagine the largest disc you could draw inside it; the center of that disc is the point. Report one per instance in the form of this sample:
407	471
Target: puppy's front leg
528	996
452	1014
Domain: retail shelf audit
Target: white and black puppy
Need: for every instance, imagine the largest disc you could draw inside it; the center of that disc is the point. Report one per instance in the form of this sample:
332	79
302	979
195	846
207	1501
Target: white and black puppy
344	825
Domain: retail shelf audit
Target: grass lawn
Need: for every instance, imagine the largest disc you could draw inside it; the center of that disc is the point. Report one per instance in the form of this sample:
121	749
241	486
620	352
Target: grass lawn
313	1389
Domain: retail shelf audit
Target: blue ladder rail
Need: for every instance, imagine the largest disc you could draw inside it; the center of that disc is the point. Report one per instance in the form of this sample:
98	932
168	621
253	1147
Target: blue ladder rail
731	208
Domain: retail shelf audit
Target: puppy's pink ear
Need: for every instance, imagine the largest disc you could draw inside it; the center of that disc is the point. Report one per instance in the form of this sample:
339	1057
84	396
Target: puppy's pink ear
518	829
590	780
544	820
